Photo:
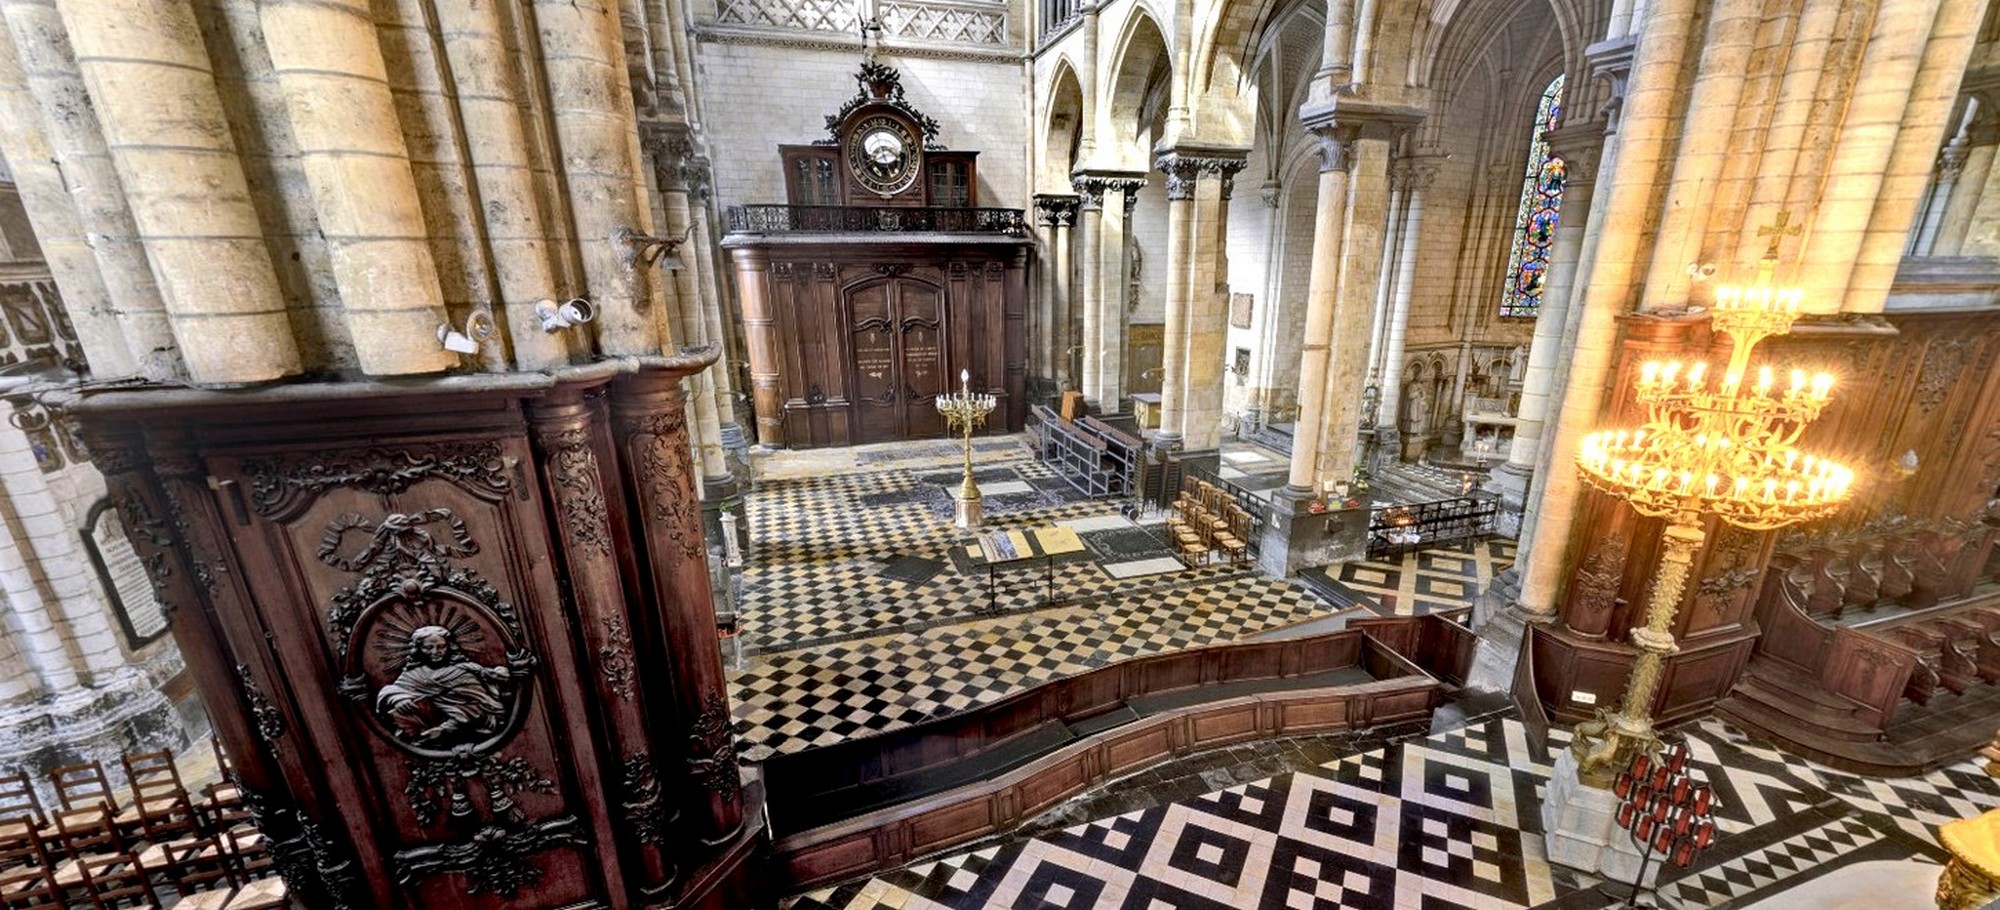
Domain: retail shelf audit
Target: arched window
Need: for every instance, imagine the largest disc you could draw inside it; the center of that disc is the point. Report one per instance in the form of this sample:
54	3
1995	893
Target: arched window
1535	222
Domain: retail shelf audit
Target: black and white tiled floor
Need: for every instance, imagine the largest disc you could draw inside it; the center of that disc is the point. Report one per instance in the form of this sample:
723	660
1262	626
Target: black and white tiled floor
839	643
1442	821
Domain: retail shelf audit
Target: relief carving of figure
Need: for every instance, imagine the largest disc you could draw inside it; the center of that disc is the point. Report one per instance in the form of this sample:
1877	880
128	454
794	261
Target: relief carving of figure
441	696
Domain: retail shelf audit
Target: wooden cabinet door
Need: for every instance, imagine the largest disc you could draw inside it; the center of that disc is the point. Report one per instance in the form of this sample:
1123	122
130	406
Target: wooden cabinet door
896	333
875	382
920	356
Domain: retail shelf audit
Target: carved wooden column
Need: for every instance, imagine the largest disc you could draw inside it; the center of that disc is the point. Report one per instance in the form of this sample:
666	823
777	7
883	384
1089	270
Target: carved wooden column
573	443
231	661
651	416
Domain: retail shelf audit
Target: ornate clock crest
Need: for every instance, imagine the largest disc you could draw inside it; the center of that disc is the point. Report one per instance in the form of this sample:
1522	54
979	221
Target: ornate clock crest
883	155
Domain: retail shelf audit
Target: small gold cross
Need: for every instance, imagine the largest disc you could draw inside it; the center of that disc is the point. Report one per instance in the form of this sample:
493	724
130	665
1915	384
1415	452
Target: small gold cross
1778	230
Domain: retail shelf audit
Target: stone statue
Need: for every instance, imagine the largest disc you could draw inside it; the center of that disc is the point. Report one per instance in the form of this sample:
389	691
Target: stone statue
1417	413
441	696
1132	278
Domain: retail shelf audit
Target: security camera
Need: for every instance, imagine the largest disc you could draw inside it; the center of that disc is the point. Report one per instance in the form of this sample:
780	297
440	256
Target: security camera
556	317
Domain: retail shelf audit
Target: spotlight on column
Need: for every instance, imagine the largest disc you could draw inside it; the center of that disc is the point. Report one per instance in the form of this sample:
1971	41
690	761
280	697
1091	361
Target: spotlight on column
1701	271
556	317
478	328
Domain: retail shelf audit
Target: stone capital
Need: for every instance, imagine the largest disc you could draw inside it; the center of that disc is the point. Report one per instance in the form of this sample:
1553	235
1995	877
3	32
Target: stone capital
671	146
1580	145
1185	164
1057	210
1611	61
1335	145
1421	170
1092	186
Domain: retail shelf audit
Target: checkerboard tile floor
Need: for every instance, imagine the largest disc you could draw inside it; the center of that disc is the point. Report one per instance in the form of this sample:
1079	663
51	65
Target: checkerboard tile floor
836	648
1446	821
1429	580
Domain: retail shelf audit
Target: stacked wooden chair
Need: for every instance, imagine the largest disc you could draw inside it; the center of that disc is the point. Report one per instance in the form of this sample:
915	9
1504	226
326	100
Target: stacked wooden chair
163	845
1208	523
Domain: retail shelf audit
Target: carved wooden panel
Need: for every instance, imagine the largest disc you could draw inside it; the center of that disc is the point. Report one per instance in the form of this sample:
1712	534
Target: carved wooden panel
862	337
421	628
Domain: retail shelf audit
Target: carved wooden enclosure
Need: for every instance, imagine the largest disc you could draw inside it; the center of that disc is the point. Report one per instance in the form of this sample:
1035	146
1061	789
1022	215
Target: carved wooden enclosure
880	281
456	637
1917	413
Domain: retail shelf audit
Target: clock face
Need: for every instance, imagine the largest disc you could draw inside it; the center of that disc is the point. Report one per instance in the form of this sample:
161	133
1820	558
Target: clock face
883	155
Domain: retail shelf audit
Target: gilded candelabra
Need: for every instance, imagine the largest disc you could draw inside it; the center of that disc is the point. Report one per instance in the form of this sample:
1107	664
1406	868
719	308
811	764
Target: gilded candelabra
966	410
1726	450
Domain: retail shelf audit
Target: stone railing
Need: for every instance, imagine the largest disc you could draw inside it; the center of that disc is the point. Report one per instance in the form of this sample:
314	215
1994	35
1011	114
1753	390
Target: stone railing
981	23
827	219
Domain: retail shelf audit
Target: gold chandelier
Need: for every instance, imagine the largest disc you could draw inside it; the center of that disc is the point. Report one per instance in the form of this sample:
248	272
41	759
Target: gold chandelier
1727	450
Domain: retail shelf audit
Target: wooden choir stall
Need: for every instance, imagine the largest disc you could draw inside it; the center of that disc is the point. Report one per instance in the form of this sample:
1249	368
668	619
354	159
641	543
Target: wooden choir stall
878	282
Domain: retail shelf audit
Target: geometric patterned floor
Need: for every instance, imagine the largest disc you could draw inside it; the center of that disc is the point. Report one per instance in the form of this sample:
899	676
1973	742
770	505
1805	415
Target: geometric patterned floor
836	643
1439	820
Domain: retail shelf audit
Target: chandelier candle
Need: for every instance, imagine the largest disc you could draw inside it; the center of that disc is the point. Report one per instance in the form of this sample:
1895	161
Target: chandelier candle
1723	450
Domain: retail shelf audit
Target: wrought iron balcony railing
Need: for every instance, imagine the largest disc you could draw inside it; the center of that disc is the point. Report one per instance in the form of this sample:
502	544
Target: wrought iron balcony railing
796	219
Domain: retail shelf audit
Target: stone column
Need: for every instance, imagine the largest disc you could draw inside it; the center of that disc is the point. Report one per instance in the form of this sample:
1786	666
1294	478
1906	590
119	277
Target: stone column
1579	147
125	332
1180	241
42	643
490	99
1909	163
670	148
1698	157
1392	255
1359	275
701	252
1089	226
1207	297
1058	212
1944	182
1860	162
1120	195
1421	172
1633	174
66	248
329	62
591	103
150	83
1956	220
1783	161
1330	217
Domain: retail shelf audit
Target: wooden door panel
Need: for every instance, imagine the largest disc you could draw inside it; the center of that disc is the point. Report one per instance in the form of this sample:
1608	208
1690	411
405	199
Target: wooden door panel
875	387
920	319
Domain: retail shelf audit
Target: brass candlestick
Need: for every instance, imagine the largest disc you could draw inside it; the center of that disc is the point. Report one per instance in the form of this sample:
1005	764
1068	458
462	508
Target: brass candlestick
1726	450
966	410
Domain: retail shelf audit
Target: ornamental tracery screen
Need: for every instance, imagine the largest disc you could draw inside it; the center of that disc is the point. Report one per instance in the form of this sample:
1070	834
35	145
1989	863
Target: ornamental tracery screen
1535	220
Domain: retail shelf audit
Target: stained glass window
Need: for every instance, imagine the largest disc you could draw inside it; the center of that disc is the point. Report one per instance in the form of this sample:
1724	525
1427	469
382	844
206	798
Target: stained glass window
1535	222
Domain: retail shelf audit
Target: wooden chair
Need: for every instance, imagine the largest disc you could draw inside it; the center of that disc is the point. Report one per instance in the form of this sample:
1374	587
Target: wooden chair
20	807
30	888
24	858
118	883
85	785
84	836
221	803
156	786
166	813
207	880
251	852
